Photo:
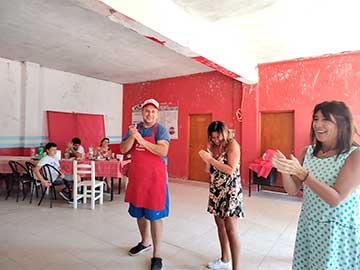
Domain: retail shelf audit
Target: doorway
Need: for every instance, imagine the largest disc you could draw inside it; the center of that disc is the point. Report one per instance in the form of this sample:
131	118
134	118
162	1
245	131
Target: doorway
198	141
277	132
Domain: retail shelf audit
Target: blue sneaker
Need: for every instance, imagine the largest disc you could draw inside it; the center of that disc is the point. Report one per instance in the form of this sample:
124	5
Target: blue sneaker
65	195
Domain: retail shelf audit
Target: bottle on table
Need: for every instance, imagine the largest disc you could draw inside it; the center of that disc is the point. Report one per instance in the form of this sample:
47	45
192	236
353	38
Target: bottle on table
41	151
32	152
91	153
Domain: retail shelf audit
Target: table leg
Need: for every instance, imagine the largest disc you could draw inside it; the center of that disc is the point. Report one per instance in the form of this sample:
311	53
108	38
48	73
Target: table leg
112	189
119	187
250	182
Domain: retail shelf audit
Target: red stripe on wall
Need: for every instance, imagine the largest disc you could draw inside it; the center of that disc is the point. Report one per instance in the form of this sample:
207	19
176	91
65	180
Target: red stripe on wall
15	151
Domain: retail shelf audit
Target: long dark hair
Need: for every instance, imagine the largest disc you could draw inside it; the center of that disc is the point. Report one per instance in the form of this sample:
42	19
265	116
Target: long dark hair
344	122
224	134
104	139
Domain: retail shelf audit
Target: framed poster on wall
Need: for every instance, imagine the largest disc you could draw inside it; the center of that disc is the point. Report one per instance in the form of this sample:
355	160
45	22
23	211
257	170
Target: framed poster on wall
168	116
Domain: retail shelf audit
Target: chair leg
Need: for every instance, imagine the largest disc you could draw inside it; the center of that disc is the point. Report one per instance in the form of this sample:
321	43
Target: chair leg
9	187
32	187
112	189
7	194
36	190
24	193
41	188
53	191
75	195
101	194
18	191
92	197
43	195
85	192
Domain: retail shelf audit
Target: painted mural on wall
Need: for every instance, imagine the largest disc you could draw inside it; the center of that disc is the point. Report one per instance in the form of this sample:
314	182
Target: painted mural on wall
168	116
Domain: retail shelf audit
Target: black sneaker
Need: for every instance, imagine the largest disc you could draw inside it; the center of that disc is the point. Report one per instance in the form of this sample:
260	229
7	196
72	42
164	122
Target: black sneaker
65	195
138	249
156	263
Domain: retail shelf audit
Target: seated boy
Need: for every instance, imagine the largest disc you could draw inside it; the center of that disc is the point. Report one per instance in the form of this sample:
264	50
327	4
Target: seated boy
61	179
75	149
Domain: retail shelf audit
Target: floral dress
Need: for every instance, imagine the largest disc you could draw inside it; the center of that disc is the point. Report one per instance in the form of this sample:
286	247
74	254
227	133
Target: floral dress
226	195
328	238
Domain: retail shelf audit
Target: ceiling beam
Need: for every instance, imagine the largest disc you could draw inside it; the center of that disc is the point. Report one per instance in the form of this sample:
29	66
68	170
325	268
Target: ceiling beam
165	23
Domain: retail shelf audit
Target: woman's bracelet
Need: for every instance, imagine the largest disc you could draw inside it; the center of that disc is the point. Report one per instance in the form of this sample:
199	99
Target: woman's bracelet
304	179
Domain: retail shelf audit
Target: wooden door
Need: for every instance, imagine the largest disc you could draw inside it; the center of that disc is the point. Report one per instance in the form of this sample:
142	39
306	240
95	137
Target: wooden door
198	140
277	132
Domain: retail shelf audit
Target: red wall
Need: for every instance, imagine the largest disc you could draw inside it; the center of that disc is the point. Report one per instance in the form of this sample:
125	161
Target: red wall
299	85
200	93
290	85
14	151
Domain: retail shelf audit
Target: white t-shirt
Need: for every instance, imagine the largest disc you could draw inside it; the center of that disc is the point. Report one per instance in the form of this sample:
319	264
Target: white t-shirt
52	161
81	151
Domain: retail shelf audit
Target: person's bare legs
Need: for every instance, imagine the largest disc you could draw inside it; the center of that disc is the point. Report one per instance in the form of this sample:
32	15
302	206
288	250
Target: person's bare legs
231	225
223	238
156	233
144	228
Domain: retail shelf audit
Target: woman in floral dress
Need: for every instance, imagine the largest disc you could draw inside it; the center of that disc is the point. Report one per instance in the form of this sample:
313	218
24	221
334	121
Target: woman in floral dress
225	199
328	234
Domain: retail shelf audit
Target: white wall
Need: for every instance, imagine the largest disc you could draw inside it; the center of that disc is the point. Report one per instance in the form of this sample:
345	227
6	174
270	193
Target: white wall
28	90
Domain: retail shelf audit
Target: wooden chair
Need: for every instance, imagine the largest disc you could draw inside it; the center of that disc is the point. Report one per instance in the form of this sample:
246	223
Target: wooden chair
80	189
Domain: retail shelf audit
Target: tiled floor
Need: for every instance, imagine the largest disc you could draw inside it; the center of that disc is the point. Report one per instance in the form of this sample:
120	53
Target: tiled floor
33	237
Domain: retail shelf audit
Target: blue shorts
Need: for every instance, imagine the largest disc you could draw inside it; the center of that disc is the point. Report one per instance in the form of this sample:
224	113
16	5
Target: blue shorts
59	181
138	212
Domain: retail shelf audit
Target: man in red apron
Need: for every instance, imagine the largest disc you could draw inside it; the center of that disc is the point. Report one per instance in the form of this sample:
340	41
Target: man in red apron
147	190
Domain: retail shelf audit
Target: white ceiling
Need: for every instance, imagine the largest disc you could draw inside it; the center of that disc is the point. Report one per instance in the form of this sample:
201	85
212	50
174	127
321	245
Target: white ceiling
276	30
214	10
79	36
69	35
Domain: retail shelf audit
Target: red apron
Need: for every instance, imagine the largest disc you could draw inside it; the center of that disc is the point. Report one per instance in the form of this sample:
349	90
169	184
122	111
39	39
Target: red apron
147	177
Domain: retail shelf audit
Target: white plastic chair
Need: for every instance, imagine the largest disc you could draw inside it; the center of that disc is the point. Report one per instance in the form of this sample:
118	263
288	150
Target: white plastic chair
84	193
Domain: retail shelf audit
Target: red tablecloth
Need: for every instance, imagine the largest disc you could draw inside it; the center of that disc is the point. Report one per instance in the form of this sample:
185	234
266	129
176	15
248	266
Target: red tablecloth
262	166
106	168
